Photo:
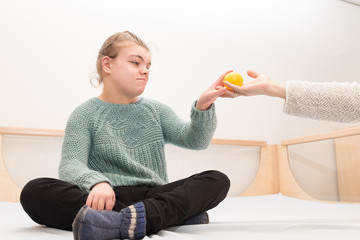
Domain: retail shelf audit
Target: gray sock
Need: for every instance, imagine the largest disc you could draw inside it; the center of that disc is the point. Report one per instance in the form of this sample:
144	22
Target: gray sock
202	218
129	223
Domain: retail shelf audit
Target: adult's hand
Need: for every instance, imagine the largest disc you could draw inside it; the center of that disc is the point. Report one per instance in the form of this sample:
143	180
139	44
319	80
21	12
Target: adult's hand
260	84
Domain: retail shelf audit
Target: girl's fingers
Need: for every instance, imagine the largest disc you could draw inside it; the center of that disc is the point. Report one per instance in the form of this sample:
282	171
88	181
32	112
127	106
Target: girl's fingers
101	205
94	204
216	93
110	203
89	200
221	78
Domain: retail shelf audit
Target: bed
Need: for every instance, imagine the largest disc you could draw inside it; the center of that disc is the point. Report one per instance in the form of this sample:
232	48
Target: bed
274	205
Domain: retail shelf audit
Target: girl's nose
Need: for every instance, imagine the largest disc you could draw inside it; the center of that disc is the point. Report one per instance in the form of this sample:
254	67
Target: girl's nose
145	71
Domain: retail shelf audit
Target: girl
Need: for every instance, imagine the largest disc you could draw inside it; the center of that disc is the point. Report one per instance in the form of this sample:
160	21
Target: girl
113	178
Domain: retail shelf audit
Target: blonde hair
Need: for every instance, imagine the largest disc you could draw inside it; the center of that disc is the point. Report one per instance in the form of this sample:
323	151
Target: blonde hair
111	48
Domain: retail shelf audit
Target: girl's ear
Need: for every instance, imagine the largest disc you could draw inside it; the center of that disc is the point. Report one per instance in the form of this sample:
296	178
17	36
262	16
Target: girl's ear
106	66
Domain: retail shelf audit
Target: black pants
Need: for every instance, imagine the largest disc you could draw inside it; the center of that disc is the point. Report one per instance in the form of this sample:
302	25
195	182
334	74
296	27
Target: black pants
55	203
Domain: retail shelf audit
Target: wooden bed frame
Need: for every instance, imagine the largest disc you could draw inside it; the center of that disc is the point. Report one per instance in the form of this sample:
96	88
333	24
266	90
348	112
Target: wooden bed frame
274	173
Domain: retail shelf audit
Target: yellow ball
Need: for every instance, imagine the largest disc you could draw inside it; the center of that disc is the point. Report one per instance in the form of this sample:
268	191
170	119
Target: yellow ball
234	78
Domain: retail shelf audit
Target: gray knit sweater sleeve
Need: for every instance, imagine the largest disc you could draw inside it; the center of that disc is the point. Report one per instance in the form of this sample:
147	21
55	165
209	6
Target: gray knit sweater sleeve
195	134
331	101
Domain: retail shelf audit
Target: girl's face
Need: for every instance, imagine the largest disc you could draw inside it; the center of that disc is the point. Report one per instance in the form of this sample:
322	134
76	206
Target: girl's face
128	73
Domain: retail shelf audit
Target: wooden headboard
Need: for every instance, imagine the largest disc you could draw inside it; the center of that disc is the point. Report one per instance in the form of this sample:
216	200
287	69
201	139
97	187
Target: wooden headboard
274	173
347	151
9	190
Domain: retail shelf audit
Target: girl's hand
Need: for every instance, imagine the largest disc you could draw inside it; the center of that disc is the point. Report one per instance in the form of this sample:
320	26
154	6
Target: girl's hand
259	85
216	90
101	197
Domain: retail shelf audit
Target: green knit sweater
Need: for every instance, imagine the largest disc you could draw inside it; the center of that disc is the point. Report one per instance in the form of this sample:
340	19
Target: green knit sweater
123	144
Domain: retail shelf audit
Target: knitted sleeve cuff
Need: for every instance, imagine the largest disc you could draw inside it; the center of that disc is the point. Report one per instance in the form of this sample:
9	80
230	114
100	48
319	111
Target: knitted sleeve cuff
205	115
91	180
287	97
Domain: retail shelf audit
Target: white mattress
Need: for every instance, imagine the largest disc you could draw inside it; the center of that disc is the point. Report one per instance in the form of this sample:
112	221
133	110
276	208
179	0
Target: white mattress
261	218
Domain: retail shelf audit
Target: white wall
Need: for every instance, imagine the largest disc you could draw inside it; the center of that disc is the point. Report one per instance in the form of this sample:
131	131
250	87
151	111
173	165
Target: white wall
48	49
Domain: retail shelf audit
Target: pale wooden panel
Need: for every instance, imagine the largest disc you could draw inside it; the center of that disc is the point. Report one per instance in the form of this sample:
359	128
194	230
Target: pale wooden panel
31	132
60	133
314	167
274	173
347	150
266	180
323	136
288	184
9	191
238	142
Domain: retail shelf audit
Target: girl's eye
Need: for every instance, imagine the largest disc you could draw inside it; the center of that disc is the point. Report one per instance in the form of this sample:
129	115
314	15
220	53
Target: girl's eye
136	63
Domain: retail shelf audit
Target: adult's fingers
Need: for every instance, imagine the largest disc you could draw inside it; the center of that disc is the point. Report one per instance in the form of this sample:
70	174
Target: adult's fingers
234	87
252	73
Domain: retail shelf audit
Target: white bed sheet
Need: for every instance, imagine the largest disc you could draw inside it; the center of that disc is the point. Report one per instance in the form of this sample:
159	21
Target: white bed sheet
255	218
